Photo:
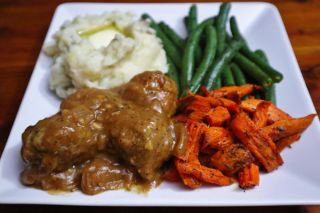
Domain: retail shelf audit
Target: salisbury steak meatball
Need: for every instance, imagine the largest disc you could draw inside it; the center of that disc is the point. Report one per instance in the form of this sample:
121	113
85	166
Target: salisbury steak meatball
153	90
131	123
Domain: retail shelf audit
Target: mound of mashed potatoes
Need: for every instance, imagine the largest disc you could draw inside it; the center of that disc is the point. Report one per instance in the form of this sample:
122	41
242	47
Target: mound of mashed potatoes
102	51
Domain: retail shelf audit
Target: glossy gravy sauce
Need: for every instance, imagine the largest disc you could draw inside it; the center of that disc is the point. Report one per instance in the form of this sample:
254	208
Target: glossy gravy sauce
106	139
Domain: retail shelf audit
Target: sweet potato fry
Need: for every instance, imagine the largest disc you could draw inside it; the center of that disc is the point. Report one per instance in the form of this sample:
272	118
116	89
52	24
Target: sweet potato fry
187	179
217	116
231	90
288	127
260	116
285	142
231	159
249	176
274	113
203	173
216	138
260	145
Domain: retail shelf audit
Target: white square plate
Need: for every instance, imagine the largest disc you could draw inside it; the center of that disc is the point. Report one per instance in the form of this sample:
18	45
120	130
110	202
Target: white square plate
296	182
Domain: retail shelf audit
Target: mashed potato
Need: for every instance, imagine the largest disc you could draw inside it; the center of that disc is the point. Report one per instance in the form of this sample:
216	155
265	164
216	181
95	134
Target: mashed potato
102	51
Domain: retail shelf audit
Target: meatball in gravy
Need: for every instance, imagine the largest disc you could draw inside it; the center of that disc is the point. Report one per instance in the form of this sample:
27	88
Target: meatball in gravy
104	139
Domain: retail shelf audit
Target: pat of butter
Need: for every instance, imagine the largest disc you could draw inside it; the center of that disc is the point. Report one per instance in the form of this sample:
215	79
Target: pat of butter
100	36
103	37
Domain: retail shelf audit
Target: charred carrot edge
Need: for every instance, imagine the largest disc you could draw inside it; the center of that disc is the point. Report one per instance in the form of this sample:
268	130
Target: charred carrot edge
261	146
187	179
231	159
288	127
249	177
285	142
202	173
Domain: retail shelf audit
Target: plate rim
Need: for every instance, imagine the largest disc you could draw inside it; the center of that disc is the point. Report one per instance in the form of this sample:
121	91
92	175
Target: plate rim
174	203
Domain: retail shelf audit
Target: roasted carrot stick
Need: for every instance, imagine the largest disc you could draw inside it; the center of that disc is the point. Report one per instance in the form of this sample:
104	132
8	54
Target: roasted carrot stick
285	142
197	116
260	145
231	159
260	116
195	131
249	176
204	91
193	103
187	179
216	138
241	91
203	173
231	136
224	102
288	127
274	113
199	103
217	116
171	174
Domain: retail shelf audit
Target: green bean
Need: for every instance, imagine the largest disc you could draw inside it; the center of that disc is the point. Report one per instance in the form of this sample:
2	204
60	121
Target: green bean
269	93
262	55
239	77
257	95
217	83
193	17
198	50
208	56
198	53
216	67
169	47
221	26
191	23
274	74
210	20
227	77
188	58
173	73
235	30
172	35
228	38
186	24
251	69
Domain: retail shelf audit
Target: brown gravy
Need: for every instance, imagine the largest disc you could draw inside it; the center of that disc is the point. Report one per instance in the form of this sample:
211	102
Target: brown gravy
105	139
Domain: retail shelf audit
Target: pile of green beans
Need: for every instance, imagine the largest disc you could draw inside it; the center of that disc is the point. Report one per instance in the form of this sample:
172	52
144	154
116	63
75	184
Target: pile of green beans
209	56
